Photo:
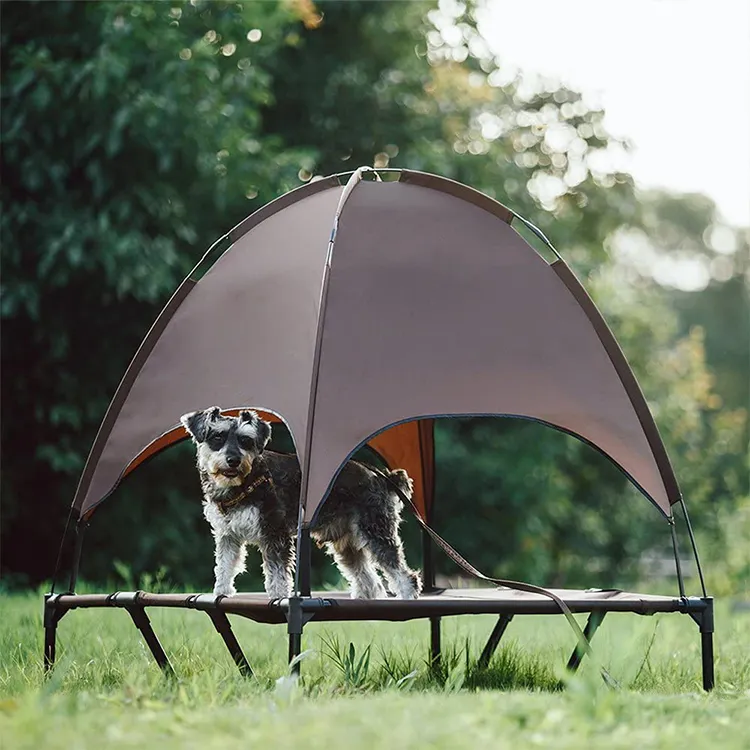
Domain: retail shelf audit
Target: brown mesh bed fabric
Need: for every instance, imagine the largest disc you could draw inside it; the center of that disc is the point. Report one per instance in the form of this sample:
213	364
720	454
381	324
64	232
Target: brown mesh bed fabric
335	606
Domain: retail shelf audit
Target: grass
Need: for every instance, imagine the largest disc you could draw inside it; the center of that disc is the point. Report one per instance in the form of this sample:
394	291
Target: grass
368	685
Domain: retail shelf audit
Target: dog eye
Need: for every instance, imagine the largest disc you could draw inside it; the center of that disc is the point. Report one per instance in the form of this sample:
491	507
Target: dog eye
246	442
216	439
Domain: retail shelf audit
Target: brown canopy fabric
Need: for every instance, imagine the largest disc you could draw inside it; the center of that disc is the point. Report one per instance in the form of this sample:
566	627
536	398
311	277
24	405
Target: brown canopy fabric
347	311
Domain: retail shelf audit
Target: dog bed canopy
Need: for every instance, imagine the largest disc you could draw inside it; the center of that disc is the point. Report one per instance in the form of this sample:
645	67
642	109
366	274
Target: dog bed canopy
348	310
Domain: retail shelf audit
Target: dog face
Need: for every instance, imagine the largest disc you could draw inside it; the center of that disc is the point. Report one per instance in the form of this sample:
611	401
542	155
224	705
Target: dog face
227	446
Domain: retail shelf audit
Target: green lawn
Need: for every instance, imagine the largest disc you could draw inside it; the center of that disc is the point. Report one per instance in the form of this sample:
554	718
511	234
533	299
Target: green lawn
106	691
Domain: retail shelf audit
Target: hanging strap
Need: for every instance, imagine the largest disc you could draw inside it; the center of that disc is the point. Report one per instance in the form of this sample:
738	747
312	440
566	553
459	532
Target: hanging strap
516	585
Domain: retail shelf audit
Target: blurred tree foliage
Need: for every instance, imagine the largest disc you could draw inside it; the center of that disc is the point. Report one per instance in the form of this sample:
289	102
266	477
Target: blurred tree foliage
134	134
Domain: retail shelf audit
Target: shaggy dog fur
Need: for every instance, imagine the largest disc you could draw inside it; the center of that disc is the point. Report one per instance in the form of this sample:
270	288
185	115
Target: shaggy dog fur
251	496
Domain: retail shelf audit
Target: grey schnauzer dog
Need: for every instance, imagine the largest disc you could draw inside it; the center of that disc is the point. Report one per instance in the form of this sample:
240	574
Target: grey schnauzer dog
251	496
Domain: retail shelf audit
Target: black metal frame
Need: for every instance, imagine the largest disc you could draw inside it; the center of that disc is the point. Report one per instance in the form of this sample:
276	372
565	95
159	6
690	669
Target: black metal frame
494	640
298	611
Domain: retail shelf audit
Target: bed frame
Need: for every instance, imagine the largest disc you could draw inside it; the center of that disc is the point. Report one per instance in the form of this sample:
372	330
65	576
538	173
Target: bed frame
434	604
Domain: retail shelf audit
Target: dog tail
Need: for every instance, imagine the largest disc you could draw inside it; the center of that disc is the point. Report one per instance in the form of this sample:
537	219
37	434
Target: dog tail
402	480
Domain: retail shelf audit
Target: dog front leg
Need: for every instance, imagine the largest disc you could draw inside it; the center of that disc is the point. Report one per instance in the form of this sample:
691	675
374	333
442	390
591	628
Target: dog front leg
278	564
230	560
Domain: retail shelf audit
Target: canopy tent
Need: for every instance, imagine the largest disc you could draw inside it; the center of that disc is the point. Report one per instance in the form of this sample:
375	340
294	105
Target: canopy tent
399	301
402	300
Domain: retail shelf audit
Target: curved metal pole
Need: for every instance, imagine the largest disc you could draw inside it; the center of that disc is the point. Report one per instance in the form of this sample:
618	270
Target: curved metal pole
81	527
302	571
205	255
678	564
535	230
60	551
694	546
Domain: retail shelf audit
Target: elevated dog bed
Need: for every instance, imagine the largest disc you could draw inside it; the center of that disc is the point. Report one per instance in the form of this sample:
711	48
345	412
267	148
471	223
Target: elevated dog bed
405	300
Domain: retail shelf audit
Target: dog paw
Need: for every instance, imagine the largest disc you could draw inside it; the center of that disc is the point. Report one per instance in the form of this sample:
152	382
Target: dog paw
411	588
224	590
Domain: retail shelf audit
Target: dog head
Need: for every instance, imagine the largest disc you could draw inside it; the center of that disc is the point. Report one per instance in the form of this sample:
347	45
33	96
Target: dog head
227	446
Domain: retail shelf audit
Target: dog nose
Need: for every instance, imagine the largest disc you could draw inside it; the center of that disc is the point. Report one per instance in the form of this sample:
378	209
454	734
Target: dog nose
233	461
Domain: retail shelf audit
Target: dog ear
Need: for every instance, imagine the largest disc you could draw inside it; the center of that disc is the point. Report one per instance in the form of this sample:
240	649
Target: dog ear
196	422
262	428
264	434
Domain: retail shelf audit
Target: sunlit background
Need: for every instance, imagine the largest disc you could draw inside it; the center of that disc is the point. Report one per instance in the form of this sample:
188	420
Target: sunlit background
134	134
673	78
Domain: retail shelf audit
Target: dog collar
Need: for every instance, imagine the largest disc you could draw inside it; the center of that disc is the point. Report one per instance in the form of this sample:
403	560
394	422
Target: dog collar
227	505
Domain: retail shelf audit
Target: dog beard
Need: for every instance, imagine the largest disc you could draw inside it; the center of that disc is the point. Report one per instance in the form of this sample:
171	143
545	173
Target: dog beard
222	475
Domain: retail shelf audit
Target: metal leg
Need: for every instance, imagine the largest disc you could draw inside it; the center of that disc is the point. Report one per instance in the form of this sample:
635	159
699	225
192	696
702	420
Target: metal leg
224	629
592	624
295	625
492	642
140	618
435	642
50	633
707	657
51	617
706	625
295	649
701	610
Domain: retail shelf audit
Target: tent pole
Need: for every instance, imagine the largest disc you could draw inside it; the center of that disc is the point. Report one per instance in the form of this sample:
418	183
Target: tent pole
304	562
426	433
80	529
312	399
694	546
678	564
60	551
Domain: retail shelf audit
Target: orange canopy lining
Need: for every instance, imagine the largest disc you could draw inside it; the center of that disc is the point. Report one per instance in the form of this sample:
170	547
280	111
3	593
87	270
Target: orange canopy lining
406	446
